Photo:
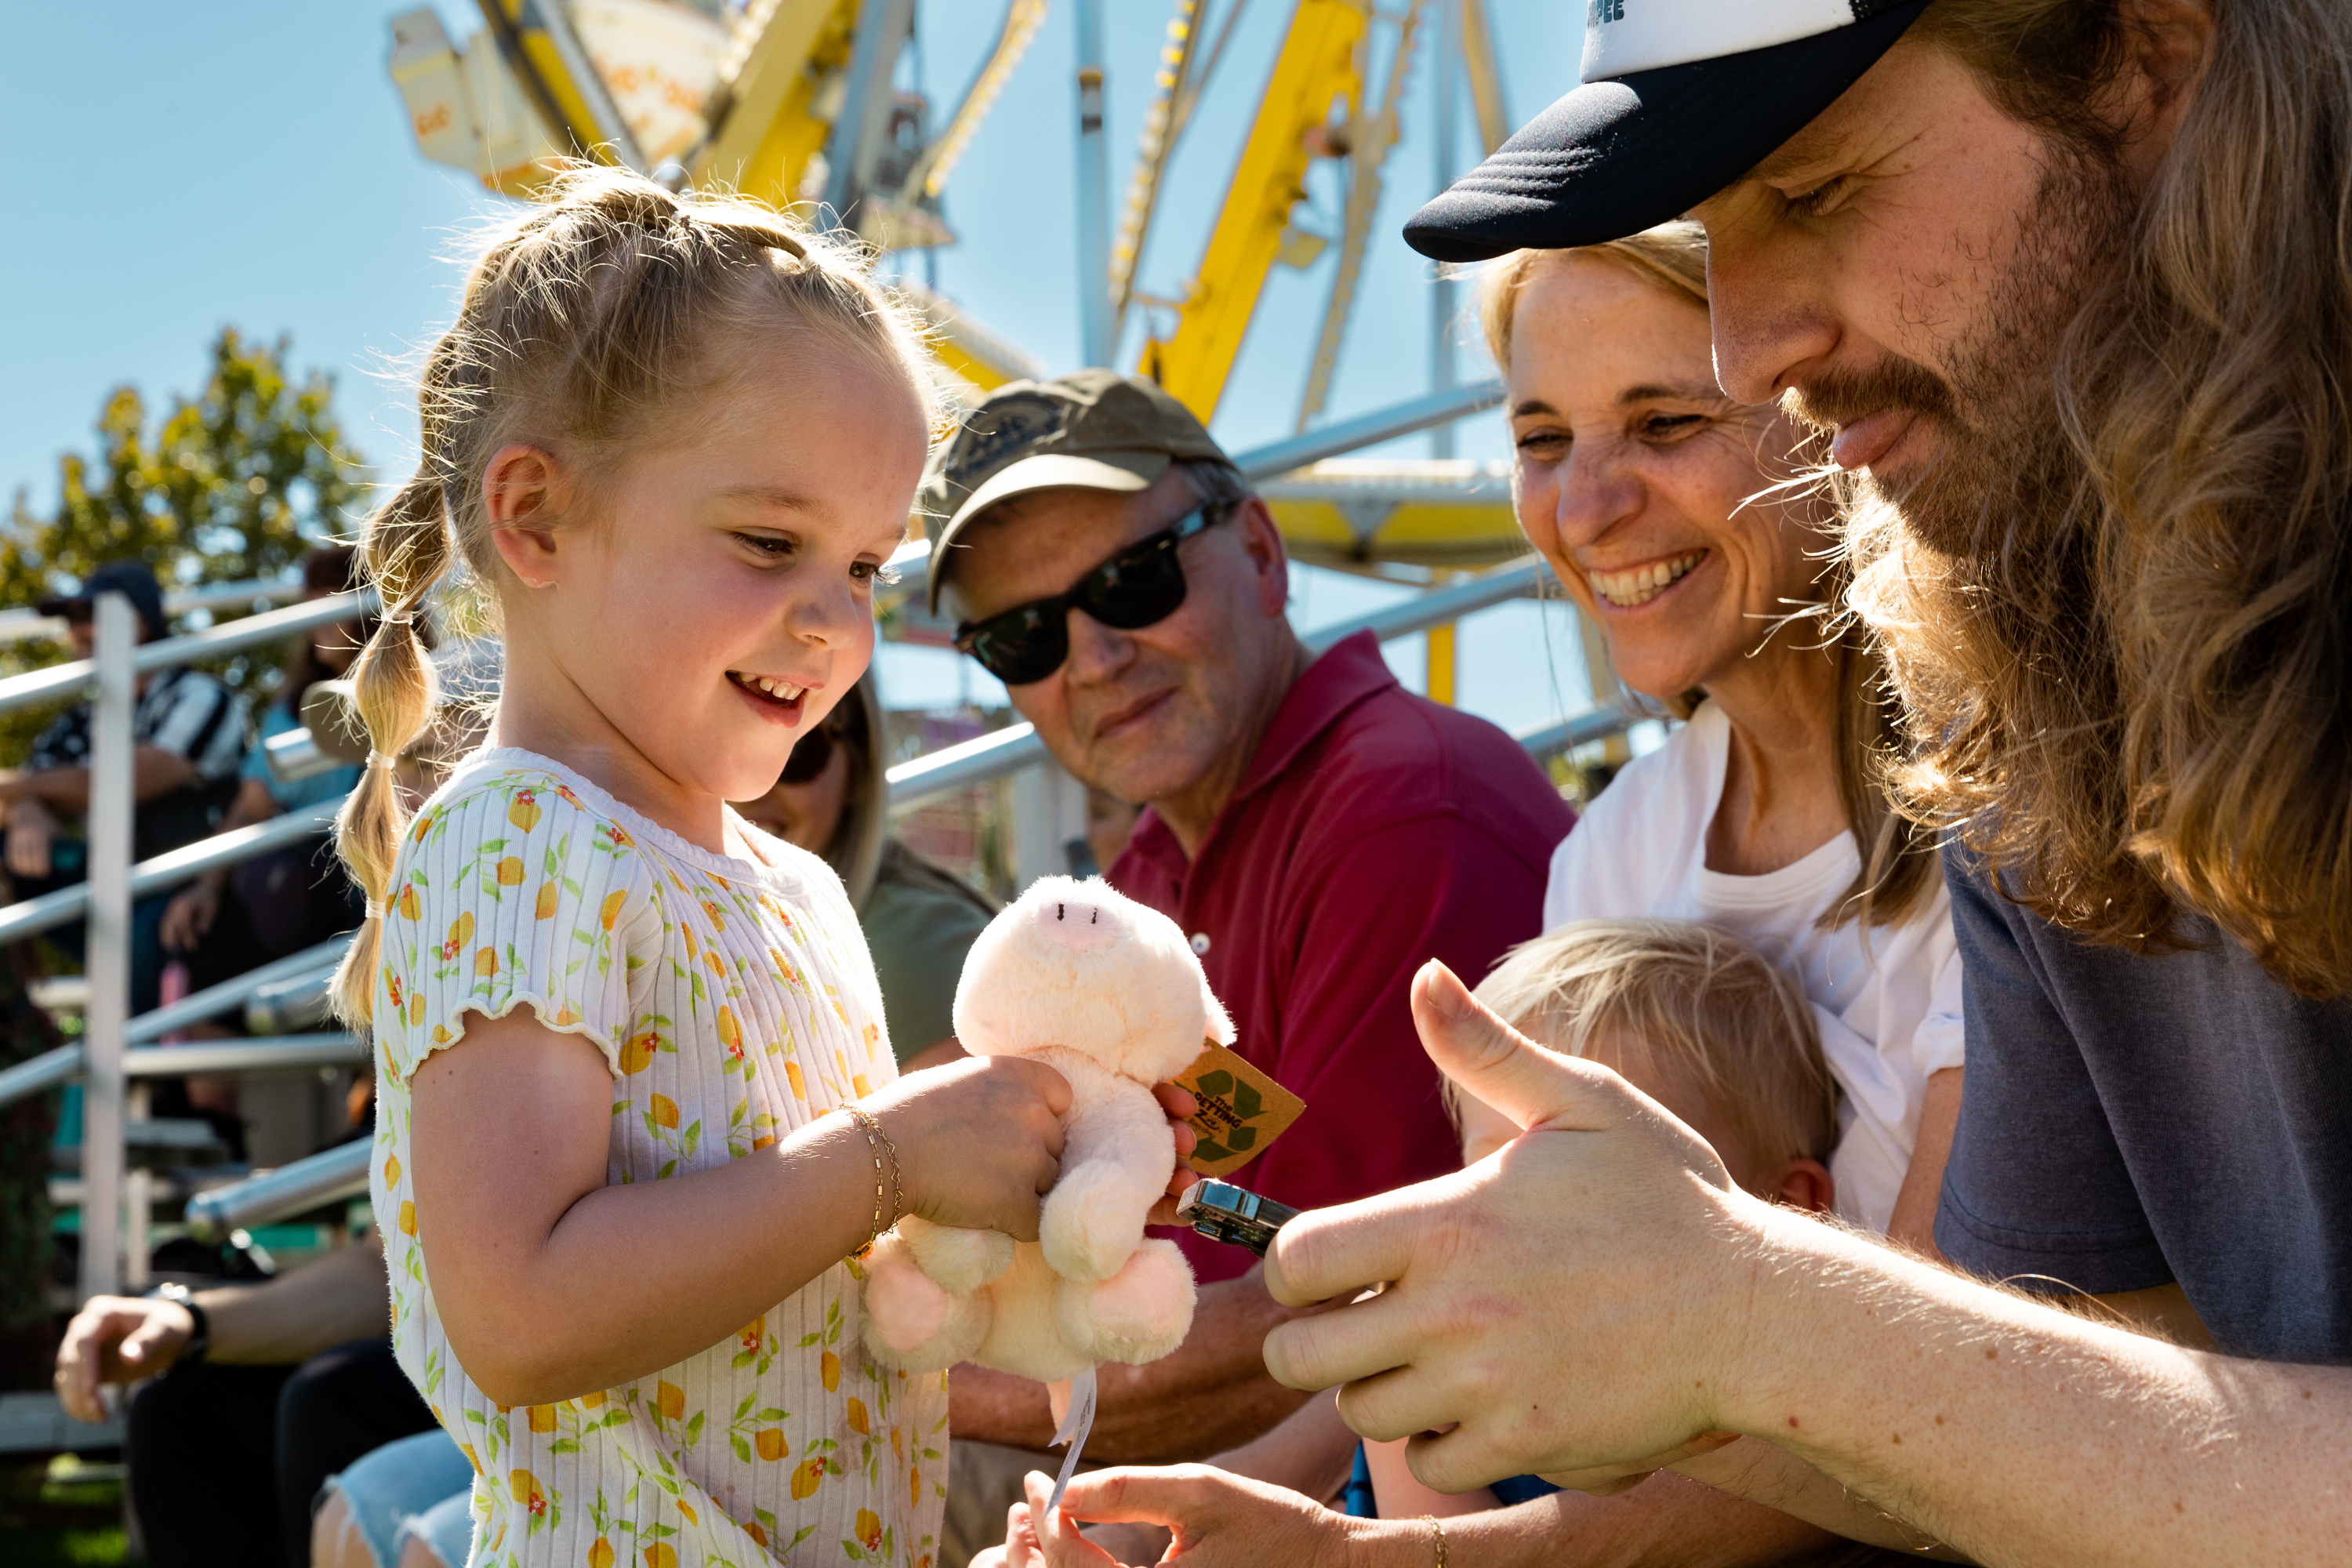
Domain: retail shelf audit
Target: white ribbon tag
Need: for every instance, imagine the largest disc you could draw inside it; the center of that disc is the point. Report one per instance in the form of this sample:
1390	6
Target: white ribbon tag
1076	1421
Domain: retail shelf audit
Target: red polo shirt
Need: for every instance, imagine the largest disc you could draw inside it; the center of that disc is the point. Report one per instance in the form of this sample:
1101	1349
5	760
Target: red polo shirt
1375	830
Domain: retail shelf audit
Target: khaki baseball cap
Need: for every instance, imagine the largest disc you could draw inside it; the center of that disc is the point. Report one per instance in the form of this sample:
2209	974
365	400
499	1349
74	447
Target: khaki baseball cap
1091	429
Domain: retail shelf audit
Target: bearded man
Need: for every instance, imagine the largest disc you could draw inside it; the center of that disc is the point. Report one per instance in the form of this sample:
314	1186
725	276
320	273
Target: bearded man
2069	282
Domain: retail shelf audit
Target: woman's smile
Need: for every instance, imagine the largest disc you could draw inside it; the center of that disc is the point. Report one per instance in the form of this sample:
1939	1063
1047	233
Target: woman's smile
1634	586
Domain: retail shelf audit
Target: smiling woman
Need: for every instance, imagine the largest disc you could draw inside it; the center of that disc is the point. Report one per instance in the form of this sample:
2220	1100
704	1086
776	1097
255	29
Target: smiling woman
1686	525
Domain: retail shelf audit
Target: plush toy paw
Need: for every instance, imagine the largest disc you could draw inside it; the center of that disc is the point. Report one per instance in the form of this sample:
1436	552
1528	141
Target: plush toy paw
961	1261
912	1322
1138	1315
1092	1223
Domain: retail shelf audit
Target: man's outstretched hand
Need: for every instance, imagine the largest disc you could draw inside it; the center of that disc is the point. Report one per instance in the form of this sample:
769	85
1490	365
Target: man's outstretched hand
1566	1305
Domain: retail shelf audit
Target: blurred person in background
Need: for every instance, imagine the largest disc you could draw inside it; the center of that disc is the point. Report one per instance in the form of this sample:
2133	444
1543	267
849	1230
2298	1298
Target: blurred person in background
1110	823
189	735
249	1398
233	917
834	800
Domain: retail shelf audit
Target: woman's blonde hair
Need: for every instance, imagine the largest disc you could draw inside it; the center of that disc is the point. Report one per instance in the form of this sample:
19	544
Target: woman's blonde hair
1704	1006
586	321
2129	696
1899	868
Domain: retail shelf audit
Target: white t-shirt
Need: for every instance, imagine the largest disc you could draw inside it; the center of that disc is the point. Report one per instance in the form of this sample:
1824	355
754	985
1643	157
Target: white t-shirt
1887	999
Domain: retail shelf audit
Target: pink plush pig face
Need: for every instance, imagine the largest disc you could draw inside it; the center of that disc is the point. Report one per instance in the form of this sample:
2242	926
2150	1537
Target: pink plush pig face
1078	965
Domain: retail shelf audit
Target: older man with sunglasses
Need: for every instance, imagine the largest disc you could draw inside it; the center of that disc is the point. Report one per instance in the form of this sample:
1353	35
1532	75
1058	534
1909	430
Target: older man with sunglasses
1320	831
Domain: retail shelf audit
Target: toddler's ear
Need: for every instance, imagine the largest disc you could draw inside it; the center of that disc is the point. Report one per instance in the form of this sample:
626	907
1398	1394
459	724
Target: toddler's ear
1805	1186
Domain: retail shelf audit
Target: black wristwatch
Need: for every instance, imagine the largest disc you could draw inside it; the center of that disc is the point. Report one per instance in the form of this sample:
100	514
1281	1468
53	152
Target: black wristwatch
200	1338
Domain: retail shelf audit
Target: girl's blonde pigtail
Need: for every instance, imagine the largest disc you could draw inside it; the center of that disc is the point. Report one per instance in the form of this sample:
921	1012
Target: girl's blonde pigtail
406	551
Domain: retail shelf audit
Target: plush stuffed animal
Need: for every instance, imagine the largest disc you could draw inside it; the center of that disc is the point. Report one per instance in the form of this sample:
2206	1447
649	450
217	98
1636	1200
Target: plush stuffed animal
1109	993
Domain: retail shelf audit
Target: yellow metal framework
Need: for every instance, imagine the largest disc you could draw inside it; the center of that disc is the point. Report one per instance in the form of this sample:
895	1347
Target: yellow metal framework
1316	70
765	129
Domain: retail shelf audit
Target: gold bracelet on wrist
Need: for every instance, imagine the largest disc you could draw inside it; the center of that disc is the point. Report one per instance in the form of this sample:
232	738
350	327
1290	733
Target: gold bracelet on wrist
1437	1533
876	1141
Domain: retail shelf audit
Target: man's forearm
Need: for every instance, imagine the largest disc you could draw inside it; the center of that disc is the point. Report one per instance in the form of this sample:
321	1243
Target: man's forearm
154	772
2021	1434
1665	1522
341	1297
1211	1393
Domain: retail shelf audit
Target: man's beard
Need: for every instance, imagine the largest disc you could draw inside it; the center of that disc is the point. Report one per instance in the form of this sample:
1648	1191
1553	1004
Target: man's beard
2004	473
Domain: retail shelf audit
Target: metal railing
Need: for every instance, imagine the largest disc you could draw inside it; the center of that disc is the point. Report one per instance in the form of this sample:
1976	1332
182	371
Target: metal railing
109	1055
25	626
64	1063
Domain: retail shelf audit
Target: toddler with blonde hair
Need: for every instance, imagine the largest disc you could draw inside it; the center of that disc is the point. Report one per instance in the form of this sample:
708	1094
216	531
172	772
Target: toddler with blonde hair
1700	1022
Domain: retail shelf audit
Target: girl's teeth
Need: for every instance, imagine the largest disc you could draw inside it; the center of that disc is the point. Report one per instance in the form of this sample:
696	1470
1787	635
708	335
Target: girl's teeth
783	692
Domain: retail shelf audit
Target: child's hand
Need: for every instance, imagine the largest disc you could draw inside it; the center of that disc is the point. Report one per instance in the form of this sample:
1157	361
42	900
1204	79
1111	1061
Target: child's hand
979	1142
1181	1107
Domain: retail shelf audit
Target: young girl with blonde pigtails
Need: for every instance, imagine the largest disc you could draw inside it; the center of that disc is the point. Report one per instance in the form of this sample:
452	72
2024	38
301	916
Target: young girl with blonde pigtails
637	1111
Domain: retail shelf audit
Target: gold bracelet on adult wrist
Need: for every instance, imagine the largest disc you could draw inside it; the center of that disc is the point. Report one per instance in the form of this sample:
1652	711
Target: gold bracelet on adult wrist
1438	1534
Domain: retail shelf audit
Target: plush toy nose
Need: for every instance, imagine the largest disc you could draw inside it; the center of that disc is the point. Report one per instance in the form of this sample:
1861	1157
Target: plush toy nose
1076	923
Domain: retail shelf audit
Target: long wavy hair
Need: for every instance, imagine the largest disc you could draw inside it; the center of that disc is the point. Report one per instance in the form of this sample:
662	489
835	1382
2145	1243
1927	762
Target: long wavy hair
592	321
1899	870
2127	692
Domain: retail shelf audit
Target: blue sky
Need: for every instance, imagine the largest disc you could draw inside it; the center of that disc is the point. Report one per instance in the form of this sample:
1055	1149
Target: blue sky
181	166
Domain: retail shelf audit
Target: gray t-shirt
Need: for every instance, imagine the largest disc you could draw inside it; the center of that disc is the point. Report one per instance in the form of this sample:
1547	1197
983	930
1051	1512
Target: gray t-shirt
2133	1121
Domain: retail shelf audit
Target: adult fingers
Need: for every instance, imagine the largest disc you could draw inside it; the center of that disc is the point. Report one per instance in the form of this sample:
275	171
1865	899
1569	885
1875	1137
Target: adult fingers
1407	1402
1176	1100
1347	1247
1460	1460
1125	1494
1059	1543
81	1360
1346	1345
1490	1059
1605	1481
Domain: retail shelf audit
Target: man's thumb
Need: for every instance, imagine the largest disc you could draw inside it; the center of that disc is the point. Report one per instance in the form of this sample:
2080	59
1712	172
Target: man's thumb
1491	1060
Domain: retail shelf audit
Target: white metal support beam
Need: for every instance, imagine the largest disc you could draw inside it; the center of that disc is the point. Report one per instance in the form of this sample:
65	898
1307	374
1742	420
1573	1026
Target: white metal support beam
108	946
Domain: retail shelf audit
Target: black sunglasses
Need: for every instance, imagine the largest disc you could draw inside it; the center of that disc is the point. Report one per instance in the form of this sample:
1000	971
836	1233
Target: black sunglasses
1137	588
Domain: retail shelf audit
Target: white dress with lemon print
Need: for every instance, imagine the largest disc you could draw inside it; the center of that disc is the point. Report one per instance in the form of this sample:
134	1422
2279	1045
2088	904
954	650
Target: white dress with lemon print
734	1002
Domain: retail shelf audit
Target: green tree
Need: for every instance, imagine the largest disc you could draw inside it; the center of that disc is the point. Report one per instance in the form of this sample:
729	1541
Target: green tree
235	484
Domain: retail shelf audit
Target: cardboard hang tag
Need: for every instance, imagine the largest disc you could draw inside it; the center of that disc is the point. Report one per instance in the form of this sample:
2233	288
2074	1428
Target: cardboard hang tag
1242	1110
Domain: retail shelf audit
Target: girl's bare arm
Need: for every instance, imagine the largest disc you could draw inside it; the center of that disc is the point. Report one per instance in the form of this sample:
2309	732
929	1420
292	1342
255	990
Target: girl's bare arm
551	1284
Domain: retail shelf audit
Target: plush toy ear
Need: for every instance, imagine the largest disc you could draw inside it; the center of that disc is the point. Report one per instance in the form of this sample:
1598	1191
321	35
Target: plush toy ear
1220	1026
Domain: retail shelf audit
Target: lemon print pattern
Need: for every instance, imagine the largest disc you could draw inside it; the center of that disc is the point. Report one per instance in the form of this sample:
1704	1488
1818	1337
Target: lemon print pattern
733	1002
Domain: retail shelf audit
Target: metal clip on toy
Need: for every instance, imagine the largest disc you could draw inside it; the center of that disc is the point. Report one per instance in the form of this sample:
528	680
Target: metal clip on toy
1223	1212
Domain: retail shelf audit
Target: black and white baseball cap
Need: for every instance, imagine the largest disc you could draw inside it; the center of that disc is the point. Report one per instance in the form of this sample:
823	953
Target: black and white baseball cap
1680	98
